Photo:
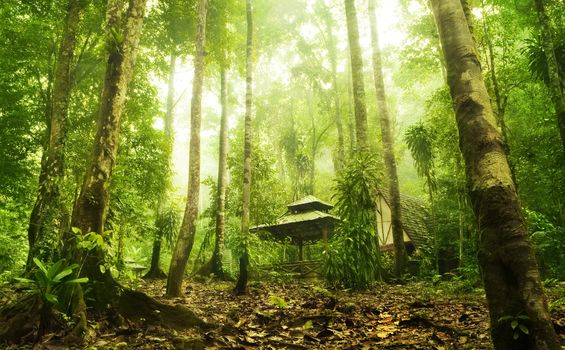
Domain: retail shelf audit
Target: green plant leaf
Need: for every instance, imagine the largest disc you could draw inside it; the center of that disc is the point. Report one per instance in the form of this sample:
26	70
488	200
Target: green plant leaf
24	280
524	329
52	298
77	280
516	335
514	324
54	269
40	265
62	274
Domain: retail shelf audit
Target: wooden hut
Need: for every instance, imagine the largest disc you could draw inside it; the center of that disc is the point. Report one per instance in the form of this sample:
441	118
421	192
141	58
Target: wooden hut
415	222
306	220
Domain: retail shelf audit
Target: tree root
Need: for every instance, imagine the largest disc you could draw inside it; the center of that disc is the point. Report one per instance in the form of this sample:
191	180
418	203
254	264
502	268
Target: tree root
155	274
20	321
140	308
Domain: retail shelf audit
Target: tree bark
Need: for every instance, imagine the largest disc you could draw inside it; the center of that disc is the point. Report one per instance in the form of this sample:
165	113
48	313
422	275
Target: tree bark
187	231
89	214
400	256
555	89
361	127
217	256
241	285
49	215
155	270
509	269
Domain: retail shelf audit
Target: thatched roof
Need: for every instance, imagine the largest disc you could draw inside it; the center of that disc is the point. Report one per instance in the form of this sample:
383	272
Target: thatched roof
302	226
309	203
305	220
415	217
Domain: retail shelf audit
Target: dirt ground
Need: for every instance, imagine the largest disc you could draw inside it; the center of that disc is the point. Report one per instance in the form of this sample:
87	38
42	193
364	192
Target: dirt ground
304	315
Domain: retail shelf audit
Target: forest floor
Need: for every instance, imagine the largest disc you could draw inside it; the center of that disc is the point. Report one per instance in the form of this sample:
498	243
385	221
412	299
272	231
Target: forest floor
304	315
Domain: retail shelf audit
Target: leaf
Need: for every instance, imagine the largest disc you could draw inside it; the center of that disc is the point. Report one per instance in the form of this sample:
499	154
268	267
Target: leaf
76	230
53	269
308	325
40	265
24	280
102	268
524	329
62	274
52	298
514	324
504	318
516	335
77	280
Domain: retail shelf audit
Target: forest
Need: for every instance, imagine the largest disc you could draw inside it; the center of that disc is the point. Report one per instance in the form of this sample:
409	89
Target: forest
282	174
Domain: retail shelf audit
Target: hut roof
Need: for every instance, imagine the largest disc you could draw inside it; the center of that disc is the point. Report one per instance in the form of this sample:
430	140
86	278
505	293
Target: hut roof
309	203
301	226
415	217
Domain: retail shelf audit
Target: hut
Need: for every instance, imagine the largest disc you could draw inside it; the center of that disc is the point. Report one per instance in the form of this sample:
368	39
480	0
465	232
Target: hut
306	220
415	221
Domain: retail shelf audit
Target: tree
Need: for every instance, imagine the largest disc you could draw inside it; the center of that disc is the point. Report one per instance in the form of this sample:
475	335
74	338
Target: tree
332	54
91	209
509	269
555	85
361	127
49	216
187	231
241	285
400	255
217	268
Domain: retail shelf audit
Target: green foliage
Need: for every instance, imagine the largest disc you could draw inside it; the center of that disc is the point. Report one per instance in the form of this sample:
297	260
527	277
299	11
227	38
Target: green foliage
353	259
419	139
518	324
49	280
549	244
277	301
167	224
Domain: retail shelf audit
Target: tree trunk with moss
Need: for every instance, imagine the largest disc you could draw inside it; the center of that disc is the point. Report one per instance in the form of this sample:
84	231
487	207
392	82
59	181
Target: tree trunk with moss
508	264
90	211
362	144
241	285
400	256
185	239
49	216
555	88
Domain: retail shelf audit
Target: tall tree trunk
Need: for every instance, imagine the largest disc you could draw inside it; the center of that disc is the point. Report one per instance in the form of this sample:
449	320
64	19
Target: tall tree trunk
217	267
241	286
49	215
187	231
555	89
155	270
361	127
400	256
509	268
340	151
89	214
350	112
500	101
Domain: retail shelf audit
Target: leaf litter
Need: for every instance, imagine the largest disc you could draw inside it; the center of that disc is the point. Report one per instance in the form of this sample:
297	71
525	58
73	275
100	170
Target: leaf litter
305	315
